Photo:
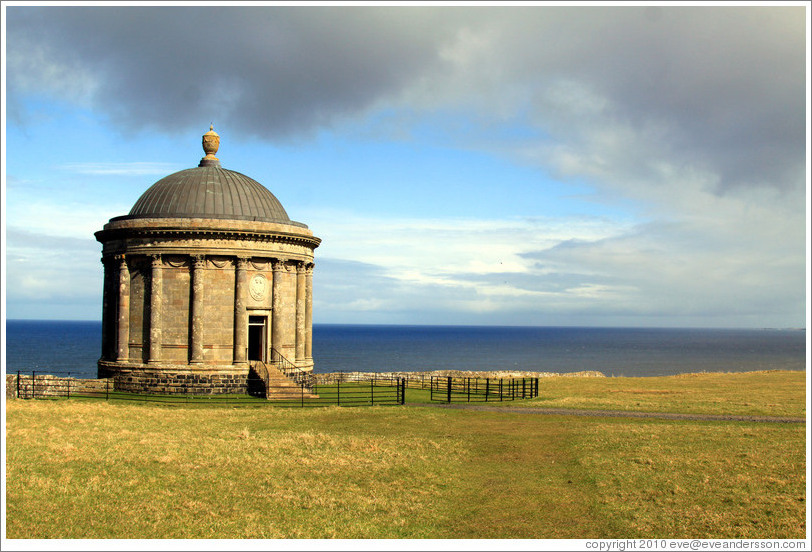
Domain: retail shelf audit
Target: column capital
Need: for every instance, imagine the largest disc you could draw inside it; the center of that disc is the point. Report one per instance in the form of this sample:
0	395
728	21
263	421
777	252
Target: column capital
279	265
242	263
198	261
157	261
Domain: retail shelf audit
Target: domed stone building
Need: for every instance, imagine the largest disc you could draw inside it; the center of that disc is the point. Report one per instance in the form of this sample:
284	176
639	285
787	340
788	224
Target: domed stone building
203	279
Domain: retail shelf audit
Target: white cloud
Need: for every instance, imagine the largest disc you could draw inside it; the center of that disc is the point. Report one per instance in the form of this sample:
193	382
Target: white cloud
727	260
448	247
74	220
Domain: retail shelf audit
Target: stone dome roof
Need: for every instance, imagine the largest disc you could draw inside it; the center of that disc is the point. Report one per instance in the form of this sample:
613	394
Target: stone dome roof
209	191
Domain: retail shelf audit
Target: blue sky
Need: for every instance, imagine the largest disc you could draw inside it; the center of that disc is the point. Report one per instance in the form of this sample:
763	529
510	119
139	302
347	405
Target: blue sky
533	165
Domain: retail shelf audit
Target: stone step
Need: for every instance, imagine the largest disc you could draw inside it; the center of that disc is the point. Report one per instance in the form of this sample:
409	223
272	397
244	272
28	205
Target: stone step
280	387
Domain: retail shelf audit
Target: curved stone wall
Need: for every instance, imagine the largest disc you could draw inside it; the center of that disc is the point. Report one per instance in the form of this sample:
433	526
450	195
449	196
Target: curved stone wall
181	294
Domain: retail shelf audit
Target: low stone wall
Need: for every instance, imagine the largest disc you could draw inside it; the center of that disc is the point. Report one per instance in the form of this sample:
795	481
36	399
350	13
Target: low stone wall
46	385
332	377
134	381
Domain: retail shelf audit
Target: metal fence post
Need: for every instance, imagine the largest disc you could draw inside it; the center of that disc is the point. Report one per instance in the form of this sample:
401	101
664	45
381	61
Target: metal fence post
33	384
18	384
468	388
372	390
68	380
500	389
487	388
338	393
449	388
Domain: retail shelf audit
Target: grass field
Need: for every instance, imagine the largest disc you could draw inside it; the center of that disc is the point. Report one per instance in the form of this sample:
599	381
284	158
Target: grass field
92	469
768	393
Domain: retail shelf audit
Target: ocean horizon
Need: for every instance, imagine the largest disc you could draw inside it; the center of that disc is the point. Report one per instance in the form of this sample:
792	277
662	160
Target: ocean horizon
59	346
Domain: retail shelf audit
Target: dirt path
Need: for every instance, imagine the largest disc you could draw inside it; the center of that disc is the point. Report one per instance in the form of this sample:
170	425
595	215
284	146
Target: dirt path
616	413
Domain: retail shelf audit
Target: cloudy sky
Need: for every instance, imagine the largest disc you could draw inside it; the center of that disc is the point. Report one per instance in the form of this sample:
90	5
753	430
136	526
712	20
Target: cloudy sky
530	165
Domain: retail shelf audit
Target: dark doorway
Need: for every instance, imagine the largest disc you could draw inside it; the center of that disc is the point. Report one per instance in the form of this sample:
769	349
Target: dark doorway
256	337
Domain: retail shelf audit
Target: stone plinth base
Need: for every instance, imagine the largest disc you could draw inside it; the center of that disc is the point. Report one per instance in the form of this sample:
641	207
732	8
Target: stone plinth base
177	378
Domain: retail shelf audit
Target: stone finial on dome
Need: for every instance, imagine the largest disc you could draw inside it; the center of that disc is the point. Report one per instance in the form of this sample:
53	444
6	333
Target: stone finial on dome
211	143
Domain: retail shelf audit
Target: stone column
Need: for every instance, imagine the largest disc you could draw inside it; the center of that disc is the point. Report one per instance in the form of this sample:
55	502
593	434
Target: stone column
240	319
300	312
123	353
276	305
308	352
196	337
155	299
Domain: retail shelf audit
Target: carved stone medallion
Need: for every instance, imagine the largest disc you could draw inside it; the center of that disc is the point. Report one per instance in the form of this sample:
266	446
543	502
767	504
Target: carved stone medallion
258	288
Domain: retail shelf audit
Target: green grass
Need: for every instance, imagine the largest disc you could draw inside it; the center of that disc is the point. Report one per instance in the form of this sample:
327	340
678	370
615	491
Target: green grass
351	394
93	469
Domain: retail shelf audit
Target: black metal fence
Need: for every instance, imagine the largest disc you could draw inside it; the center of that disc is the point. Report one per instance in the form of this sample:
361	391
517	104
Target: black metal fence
459	389
339	389
412	381
368	391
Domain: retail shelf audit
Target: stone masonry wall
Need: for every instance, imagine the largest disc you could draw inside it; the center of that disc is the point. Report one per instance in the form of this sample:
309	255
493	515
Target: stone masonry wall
333	377
194	383
218	312
46	385
134	381
175	313
138	309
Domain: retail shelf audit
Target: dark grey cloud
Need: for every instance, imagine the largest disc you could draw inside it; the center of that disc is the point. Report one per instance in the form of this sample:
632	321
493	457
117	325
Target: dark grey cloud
715	89
268	71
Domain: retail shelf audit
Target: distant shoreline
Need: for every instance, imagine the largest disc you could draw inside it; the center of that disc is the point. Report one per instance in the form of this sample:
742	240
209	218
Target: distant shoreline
475	326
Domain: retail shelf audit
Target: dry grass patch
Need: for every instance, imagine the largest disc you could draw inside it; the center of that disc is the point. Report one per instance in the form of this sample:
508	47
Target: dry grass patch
698	480
767	393
79	470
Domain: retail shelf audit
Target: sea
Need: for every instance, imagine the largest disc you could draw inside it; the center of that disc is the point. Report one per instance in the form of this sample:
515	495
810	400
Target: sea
59	347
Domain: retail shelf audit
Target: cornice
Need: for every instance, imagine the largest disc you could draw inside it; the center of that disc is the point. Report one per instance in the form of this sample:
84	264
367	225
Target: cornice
206	233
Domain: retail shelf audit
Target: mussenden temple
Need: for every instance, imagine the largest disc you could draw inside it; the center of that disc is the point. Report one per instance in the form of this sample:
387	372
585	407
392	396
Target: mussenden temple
206	281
